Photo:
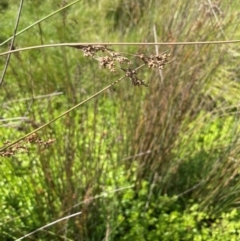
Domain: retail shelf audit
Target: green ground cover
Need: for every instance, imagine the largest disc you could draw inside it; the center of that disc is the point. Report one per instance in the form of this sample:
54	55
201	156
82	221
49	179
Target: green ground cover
155	163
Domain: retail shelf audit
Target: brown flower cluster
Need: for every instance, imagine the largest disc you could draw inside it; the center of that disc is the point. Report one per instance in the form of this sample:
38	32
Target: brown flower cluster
23	147
155	61
13	150
119	58
109	61
91	50
132	75
112	58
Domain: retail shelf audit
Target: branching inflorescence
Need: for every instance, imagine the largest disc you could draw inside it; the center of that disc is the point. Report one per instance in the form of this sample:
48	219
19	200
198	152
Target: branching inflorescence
111	61
24	146
113	58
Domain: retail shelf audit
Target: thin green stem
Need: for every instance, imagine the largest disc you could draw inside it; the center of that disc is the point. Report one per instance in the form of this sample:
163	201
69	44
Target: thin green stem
39	21
103	195
49	224
12	43
154	44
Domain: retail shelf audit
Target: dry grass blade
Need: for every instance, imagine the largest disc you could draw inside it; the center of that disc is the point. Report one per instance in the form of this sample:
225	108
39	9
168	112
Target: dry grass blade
48	225
12	42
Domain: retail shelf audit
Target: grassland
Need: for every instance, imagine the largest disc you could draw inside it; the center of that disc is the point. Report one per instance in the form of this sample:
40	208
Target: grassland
140	163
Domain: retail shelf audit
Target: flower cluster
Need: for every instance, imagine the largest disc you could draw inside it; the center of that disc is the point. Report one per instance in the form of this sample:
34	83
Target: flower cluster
91	50
112	58
155	61
22	146
132	75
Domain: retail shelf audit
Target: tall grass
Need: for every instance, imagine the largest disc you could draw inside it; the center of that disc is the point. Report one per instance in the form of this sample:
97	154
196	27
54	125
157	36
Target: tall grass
172	109
178	135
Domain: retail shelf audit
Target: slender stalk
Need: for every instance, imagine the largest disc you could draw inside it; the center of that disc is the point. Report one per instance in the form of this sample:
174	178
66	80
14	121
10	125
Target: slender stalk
12	43
75	214
154	44
49	224
33	98
39	21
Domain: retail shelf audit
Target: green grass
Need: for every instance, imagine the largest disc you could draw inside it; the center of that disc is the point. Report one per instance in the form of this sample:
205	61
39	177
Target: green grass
173	145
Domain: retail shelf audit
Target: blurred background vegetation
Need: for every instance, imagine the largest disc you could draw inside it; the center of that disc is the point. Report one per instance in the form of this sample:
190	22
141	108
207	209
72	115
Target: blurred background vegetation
156	163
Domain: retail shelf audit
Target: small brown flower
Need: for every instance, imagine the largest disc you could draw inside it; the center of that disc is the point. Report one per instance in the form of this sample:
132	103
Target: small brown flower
132	75
155	61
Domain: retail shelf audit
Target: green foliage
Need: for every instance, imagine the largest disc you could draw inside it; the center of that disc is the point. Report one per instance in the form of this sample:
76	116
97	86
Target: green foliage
175	143
164	219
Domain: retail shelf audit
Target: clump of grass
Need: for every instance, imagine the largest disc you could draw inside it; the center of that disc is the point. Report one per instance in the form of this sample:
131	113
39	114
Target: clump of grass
170	115
153	127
